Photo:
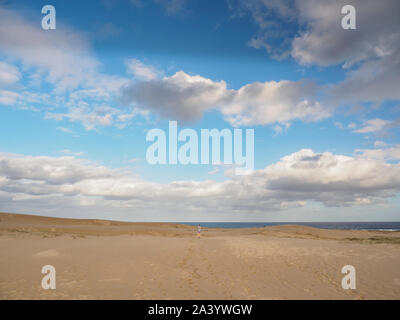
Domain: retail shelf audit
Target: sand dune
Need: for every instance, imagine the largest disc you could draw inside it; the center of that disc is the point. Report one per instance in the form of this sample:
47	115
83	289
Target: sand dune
98	259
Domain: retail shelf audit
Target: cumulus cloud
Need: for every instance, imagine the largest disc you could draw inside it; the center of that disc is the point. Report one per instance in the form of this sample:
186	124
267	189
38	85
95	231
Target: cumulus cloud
186	97
270	102
333	180
180	96
312	34
53	171
324	42
319	37
371	52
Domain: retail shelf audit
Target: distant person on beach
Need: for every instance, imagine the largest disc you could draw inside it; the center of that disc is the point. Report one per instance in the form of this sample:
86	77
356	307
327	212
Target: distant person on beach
198	231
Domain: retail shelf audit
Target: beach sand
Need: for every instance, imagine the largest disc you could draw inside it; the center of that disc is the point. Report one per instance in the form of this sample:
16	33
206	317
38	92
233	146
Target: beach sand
97	259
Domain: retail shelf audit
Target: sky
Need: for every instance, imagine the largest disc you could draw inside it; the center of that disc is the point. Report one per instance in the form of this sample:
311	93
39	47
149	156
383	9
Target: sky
77	102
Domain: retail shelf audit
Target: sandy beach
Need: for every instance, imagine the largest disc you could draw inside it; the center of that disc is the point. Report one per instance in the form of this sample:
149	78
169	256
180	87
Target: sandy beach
97	259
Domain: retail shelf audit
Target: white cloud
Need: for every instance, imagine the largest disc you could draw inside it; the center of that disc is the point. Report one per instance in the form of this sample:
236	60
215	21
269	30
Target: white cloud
9	74
377	125
213	171
392	153
315	37
65	130
268	15
324	42
186	97
8	97
53	171
380	144
352	125
373	81
64	54
49	183
333	179
181	96
338	124
270	102
372	51
63	58
92	117
142	71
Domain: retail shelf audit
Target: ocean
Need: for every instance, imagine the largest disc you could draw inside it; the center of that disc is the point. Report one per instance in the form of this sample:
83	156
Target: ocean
379	226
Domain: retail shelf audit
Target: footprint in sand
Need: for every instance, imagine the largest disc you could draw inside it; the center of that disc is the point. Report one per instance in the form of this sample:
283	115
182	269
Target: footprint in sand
47	253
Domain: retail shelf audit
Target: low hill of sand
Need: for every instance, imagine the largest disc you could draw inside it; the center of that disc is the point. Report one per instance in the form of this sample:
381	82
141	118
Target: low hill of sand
64	226
58	226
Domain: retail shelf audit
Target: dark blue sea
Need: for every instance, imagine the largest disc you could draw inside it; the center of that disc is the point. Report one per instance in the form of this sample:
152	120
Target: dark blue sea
380	226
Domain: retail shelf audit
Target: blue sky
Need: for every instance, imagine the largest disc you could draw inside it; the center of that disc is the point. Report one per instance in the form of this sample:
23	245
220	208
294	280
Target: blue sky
324	103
